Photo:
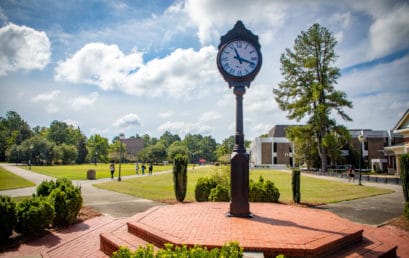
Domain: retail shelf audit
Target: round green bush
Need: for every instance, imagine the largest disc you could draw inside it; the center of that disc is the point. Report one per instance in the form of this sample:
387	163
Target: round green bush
219	194
34	215
67	201
256	191
7	217
203	187
45	188
271	193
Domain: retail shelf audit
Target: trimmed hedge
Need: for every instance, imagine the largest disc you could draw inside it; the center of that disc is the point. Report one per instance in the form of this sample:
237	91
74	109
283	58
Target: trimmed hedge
34	215
180	176
8	217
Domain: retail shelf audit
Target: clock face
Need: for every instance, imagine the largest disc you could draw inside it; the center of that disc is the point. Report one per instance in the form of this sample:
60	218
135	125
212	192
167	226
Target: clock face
239	58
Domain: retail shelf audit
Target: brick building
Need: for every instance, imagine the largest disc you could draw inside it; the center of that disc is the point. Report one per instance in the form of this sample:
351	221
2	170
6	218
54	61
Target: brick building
276	149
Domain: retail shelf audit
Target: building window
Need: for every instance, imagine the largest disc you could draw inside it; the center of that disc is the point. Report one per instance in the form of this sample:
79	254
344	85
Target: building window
290	150
275	147
275	159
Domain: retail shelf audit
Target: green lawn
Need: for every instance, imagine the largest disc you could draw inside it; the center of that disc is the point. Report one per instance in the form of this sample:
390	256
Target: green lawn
10	180
79	172
313	190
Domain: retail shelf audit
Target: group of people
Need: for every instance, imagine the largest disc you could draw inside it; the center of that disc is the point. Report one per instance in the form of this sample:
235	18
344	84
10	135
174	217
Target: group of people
143	168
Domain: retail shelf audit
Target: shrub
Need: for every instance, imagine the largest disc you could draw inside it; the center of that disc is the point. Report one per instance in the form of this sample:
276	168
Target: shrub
256	191
295	183
34	215
263	191
65	197
7	217
271	193
67	203
203	187
45	188
219	194
406	211
231	250
180	176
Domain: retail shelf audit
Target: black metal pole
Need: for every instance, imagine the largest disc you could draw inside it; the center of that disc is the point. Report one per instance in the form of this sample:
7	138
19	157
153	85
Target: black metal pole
120	161
239	187
360	157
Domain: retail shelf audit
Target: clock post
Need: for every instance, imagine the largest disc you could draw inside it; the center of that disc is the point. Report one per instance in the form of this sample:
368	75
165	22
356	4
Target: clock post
239	60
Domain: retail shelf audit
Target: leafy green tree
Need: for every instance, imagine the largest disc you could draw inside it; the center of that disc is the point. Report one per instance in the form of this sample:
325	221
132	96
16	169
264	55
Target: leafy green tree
307	89
168	138
304	145
154	153
175	148
206	148
13	130
67	153
98	147
82	150
58	132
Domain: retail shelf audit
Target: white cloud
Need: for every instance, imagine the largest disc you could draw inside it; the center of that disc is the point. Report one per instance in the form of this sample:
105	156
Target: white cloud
176	75
128	120
84	101
71	122
46	97
52	108
22	48
390	32
98	64
184	128
211	16
166	114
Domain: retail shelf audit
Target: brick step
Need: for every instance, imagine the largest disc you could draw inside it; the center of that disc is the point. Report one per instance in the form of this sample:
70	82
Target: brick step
110	241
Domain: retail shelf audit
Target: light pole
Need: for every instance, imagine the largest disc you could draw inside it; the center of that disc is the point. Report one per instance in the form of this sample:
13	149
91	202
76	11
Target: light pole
31	154
361	139
121	138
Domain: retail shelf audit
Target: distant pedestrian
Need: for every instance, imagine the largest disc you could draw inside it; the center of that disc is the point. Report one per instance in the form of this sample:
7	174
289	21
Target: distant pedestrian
150	169
143	169
137	168
112	169
351	175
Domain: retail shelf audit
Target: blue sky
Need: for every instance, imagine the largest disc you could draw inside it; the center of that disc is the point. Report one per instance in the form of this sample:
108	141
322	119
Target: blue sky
149	66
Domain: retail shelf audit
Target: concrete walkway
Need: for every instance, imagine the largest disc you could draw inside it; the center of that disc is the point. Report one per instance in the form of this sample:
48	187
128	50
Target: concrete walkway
107	202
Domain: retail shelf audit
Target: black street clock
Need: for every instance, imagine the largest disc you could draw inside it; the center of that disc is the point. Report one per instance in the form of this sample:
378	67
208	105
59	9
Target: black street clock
239	58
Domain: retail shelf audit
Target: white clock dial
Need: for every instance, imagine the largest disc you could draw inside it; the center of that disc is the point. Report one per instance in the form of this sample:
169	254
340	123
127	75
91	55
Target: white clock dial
239	58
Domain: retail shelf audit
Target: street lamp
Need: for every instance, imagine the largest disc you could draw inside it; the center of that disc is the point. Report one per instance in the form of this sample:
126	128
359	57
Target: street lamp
121	138
31	154
361	139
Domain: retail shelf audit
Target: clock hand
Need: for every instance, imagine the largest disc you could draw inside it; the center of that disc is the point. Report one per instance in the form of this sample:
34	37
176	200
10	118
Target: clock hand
237	56
247	61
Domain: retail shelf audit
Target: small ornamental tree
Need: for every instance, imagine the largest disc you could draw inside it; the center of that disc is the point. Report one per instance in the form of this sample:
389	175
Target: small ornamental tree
296	186
180	176
404	170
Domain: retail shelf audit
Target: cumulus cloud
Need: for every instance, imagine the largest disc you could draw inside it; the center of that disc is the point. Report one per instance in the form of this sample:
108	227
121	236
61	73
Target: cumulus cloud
84	101
390	32
23	48
106	66
98	64
211	16
128	120
183	128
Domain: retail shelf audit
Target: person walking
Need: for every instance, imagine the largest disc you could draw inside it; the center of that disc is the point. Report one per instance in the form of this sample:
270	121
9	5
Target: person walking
143	169
150	169
351	174
137	168
112	169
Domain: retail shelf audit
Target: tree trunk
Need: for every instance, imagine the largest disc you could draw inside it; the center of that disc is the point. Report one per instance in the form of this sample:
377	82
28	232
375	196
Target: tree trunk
324	160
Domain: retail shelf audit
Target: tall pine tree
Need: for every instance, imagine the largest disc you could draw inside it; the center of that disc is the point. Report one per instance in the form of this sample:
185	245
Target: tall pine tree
307	90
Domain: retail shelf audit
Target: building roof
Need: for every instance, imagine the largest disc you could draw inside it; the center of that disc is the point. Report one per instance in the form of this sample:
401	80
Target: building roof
133	146
278	131
403	124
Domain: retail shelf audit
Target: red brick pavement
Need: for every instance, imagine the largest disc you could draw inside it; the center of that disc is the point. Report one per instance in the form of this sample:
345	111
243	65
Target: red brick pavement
83	239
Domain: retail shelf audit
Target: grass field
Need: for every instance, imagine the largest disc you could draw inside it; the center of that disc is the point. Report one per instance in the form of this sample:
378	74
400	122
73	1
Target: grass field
79	172
313	191
9	180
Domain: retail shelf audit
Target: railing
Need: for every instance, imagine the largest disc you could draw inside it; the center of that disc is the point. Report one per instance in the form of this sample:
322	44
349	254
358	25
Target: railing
385	179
